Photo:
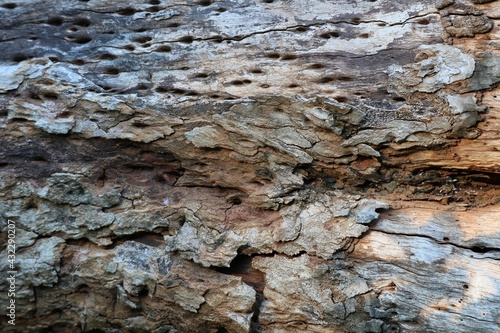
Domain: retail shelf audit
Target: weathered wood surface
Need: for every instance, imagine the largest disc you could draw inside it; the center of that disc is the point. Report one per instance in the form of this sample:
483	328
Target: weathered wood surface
251	166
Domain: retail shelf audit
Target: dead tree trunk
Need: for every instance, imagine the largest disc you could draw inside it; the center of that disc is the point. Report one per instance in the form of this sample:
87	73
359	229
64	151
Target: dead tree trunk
250	166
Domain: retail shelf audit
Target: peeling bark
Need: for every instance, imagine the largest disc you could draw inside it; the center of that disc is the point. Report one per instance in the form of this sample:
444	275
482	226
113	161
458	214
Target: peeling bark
252	166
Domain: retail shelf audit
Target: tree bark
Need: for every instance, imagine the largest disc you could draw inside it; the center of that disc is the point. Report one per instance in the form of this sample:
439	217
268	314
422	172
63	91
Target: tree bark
251	166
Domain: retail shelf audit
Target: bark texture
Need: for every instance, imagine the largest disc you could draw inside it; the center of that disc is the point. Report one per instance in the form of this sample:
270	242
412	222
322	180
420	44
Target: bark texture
251	166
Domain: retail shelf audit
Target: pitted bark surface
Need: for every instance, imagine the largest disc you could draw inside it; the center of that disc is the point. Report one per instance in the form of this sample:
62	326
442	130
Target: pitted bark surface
251	166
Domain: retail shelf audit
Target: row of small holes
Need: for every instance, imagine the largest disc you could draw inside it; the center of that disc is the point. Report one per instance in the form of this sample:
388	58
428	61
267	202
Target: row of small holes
183	92
189	39
176	91
331	34
79	21
240	82
335	34
162	48
129	11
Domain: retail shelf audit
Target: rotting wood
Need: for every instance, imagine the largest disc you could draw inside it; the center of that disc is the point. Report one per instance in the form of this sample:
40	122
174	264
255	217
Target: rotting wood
251	166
